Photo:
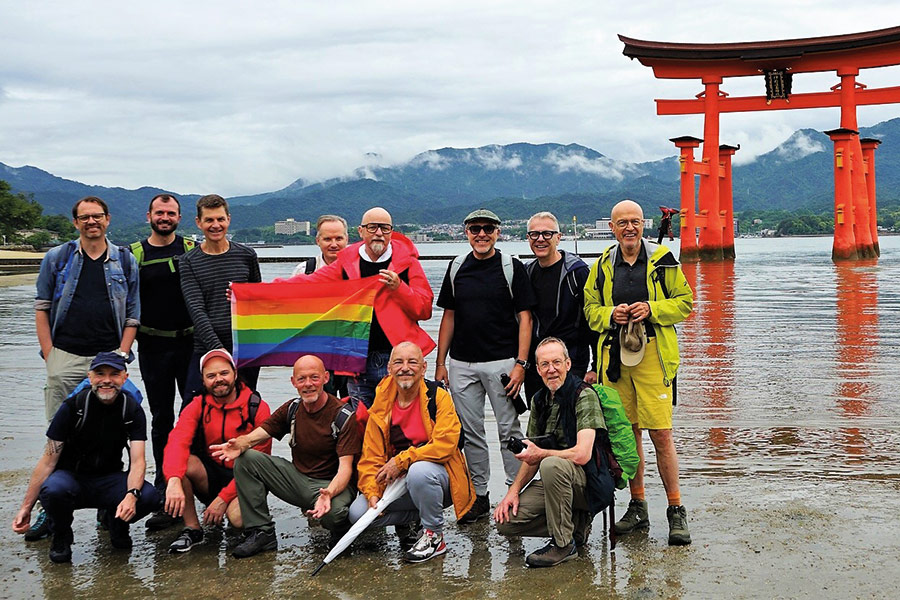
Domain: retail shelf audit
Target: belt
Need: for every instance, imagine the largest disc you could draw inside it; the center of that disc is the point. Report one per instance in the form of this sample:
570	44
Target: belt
165	333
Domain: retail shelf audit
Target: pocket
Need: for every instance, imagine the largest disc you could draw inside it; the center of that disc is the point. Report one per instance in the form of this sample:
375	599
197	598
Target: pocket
118	287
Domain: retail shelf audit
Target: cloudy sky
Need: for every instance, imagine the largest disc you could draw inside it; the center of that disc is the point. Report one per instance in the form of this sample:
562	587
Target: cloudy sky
200	97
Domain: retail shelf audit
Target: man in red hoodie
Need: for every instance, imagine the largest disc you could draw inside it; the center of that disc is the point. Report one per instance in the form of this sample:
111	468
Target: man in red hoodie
404	299
226	410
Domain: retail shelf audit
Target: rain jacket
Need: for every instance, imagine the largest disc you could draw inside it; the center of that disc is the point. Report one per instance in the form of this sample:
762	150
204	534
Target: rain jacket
671	300
221	422
399	311
441	448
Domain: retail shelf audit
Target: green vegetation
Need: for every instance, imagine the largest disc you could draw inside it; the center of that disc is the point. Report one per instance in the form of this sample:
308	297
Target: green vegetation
17	212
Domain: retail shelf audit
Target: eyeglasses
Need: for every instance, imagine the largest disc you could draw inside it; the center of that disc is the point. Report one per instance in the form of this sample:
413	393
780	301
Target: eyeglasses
96	217
373	227
541	234
476	229
622	223
557	364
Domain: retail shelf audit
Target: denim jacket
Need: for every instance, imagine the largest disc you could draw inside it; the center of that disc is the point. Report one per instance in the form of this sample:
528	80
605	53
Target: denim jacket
55	293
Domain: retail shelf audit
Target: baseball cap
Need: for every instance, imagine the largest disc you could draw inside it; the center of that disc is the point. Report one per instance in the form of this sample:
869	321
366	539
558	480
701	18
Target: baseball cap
217	353
482	214
632	343
110	359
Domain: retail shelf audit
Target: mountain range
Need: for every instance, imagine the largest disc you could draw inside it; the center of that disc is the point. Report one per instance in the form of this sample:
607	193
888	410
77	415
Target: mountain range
515	180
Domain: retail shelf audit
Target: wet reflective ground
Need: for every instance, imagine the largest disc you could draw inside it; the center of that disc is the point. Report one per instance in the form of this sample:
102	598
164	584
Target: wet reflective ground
787	434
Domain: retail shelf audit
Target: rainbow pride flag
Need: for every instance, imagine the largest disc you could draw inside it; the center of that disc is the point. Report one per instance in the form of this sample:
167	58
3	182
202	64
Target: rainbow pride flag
273	324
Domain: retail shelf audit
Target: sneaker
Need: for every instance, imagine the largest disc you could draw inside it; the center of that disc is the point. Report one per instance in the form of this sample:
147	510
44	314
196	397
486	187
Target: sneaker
480	508
61	548
635	518
429	545
118	533
678	527
39	529
551	555
187	540
408	533
583	523
257	540
161	520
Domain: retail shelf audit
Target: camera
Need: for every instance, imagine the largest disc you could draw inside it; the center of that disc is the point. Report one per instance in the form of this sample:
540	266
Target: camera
514	445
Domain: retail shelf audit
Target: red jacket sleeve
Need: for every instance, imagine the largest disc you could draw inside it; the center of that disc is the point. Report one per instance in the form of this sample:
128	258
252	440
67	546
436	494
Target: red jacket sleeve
415	298
178	447
229	492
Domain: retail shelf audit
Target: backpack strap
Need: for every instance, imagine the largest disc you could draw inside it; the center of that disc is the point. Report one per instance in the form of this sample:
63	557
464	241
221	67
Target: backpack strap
292	416
63	266
341	419
252	408
506	262
137	249
431	388
310	265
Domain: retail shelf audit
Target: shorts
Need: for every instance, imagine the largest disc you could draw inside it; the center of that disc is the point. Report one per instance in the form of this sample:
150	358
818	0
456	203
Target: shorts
217	477
646	398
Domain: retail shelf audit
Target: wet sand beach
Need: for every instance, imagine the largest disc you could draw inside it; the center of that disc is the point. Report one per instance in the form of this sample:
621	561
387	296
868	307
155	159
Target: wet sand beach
789	448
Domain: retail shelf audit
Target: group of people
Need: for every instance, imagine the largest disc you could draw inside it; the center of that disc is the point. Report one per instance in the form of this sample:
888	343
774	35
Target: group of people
550	328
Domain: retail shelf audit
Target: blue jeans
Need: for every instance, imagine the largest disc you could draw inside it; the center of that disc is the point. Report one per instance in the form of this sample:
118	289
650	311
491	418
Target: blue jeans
363	385
63	492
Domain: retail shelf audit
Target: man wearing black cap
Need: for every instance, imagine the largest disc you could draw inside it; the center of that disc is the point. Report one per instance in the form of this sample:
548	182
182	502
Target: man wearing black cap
82	465
486	330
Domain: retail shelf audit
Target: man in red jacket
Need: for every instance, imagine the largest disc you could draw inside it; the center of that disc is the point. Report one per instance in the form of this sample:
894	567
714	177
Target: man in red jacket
404	299
226	410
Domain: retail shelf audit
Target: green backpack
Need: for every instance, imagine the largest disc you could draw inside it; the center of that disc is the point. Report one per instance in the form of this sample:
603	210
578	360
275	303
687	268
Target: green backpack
621	436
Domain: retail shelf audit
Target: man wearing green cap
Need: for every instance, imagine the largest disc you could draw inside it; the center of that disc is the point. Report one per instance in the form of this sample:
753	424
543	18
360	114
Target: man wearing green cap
486	330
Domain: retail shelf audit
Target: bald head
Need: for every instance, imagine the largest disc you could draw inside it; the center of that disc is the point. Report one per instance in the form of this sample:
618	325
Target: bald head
407	365
376	215
407	349
309	378
626	206
375	231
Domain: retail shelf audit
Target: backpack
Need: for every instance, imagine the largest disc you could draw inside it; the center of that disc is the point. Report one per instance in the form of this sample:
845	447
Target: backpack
506	261
623	459
431	392
129	389
137	248
337	424
199	444
81	408
64	264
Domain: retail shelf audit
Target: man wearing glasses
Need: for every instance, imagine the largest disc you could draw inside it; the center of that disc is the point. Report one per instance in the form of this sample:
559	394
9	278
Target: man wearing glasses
558	279
404	299
637	281
486	329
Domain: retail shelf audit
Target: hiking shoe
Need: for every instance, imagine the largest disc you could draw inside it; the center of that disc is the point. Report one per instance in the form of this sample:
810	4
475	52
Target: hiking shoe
480	508
118	533
102	519
551	555
61	548
583	522
256	541
187	540
635	518
678	527
408	534
39	529
161	520
429	545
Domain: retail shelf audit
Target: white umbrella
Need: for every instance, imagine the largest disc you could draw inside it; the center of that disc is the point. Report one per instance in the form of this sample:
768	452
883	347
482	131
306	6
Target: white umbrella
393	491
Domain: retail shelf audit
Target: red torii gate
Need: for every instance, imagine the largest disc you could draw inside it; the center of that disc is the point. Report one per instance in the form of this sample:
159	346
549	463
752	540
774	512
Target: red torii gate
855	230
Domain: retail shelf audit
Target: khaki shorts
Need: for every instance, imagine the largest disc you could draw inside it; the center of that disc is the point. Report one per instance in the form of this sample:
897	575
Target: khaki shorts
646	399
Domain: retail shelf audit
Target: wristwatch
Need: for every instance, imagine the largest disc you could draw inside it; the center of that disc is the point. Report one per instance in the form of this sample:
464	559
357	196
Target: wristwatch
135	492
525	364
118	352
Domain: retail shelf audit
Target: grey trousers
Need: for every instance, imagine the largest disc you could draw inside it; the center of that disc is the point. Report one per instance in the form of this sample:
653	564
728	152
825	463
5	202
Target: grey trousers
428	494
256	474
64	372
469	383
547	506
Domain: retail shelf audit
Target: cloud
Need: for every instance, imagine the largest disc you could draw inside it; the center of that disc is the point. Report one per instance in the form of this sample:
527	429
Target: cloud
567	160
798	146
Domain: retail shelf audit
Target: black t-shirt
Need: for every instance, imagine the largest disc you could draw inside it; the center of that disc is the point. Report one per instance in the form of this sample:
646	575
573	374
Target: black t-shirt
162	303
545	281
630	282
90	325
485	325
378	341
96	449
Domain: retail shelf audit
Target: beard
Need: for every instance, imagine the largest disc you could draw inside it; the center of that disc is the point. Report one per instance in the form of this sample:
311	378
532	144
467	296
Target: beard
106	394
163	229
378	246
406	384
221	389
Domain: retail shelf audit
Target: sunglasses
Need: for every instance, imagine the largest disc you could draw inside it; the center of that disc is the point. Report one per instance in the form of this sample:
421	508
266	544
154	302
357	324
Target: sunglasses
541	234
476	229
373	227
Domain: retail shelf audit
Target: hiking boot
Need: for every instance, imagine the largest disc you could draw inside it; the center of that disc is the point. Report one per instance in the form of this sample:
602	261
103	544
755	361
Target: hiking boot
187	540
678	527
408	534
635	518
61	548
161	520
429	545
102	519
551	555
480	508
118	533
39	529
583	522
257	540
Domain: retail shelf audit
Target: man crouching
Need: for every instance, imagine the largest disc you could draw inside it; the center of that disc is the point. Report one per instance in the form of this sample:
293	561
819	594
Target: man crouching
413	430
573	487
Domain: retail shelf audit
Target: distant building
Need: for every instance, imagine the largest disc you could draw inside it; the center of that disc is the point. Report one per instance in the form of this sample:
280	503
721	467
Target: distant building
290	227
601	229
421	237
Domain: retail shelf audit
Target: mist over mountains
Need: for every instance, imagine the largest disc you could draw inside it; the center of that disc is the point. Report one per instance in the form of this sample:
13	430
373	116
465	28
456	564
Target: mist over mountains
514	180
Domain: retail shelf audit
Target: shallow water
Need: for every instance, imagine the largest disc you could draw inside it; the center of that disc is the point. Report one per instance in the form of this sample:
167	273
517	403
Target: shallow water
787	435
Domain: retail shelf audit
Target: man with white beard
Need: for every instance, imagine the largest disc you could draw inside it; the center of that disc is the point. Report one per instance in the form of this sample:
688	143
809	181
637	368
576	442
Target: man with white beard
82	465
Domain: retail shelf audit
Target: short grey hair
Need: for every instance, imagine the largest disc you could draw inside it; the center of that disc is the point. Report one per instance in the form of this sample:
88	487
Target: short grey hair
552	340
330	219
544	215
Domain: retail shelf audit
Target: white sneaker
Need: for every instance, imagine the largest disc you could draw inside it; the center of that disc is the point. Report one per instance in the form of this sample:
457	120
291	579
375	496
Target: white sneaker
429	545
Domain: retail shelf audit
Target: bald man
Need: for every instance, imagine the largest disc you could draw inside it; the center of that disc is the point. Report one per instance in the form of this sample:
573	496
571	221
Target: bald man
637	281
317	479
404	298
